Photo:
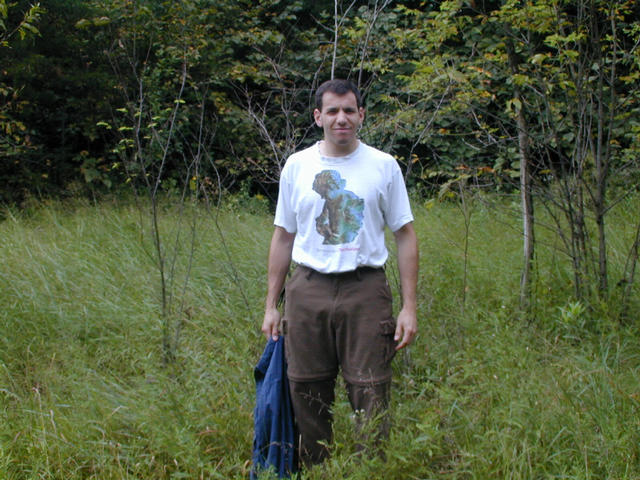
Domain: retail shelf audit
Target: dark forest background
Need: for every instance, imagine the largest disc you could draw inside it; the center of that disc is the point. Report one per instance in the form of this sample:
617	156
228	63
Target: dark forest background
86	85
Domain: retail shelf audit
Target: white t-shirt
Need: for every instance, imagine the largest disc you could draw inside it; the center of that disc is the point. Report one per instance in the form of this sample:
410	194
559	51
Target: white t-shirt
338	207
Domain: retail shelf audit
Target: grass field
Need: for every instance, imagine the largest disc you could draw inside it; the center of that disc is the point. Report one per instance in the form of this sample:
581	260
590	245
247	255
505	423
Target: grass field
86	391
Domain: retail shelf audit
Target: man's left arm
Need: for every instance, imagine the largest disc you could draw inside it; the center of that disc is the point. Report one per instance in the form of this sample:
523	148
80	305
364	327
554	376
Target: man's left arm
407	245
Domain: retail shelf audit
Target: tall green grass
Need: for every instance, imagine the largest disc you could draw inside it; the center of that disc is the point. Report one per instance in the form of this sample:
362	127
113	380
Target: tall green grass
481	394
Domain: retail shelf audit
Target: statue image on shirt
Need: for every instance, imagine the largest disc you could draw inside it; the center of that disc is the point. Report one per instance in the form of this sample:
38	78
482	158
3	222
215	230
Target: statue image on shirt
342	214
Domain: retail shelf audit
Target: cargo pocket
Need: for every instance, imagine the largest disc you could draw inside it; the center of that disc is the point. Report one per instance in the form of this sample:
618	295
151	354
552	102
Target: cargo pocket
388	330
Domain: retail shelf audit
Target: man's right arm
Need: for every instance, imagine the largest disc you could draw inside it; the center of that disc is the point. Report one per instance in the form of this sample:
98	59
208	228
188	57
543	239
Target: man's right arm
279	261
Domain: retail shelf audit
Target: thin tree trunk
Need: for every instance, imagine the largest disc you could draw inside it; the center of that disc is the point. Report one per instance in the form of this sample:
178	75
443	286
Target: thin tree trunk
602	151
527	213
335	38
337	23
526	197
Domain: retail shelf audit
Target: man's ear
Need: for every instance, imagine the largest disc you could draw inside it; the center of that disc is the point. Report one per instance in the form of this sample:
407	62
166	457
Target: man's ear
317	116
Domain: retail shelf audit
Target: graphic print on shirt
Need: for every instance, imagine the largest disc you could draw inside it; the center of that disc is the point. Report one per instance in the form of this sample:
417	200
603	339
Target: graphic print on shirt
343	211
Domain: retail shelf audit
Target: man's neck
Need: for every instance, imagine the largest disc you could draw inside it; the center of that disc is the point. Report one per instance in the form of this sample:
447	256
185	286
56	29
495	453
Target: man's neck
331	150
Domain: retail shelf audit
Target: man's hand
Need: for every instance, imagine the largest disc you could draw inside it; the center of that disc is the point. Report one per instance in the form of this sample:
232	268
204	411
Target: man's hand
279	261
407	324
406	328
271	323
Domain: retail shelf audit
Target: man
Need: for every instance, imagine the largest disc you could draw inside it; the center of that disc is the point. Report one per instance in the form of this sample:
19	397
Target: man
335	200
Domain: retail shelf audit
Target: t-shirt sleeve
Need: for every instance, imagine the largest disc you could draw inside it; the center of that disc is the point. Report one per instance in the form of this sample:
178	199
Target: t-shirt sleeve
285	216
397	209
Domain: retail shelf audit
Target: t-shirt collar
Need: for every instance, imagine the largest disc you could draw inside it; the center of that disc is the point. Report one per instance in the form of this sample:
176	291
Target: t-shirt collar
334	160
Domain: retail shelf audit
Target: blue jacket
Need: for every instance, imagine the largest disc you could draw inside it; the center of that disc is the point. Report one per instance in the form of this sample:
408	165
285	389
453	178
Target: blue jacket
274	436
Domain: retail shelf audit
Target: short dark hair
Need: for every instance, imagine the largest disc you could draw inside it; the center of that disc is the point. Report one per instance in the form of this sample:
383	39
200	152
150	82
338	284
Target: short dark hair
339	87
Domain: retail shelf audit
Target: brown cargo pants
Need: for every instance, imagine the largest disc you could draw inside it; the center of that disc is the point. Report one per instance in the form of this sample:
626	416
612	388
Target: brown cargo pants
338	322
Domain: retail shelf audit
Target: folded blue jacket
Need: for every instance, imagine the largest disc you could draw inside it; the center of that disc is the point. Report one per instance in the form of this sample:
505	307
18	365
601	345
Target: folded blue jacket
274	435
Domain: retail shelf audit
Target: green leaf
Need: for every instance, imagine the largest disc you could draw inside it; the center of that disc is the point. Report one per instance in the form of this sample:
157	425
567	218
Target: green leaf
514	105
83	23
538	58
101	21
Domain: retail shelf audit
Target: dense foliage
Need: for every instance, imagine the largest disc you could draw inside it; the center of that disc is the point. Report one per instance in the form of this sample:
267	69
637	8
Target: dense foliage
444	82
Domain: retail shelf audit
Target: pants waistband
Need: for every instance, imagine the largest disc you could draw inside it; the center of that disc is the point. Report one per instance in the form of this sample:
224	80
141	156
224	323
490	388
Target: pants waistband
358	272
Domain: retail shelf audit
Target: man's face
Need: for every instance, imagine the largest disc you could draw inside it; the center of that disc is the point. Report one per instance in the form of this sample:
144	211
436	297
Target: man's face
340	119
